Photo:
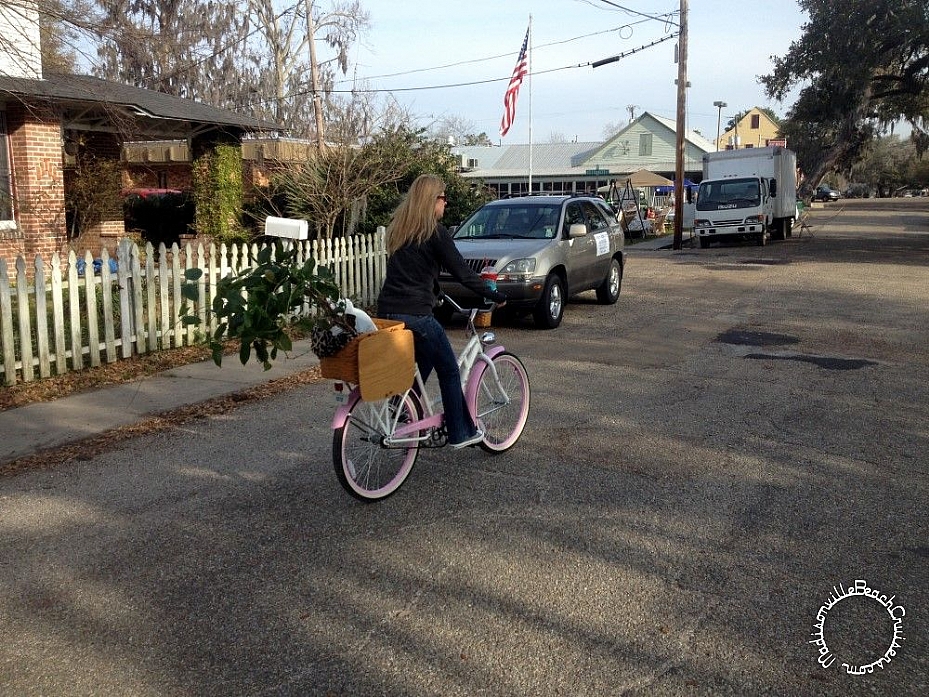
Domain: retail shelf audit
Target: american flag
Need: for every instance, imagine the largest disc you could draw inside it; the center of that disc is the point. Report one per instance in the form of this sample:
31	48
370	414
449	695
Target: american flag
512	90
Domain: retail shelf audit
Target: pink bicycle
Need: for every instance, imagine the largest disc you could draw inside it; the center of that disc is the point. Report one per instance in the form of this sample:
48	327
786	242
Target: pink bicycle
375	444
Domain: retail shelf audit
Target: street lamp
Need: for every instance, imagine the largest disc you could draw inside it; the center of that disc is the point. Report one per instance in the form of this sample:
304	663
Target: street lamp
719	116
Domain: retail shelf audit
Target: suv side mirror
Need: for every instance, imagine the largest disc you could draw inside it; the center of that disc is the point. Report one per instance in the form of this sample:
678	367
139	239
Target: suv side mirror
577	230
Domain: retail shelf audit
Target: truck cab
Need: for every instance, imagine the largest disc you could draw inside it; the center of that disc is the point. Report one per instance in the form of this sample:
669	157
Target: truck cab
747	194
737	208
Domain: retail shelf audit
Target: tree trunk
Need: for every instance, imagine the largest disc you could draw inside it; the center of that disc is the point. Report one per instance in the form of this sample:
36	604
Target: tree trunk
314	78
844	141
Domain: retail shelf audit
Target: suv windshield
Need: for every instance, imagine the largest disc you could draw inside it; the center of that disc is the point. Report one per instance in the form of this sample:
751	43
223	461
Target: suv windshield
730	193
512	221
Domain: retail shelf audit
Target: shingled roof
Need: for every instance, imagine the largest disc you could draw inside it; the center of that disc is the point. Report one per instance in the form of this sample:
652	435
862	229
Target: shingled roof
156	112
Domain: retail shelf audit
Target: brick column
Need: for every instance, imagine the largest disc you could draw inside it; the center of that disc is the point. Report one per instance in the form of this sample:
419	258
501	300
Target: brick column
39	196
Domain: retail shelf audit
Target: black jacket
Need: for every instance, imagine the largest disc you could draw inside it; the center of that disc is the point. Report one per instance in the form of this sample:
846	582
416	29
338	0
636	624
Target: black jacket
412	282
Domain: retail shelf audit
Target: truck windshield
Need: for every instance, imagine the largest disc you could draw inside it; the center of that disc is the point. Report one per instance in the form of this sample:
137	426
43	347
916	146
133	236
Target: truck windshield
728	193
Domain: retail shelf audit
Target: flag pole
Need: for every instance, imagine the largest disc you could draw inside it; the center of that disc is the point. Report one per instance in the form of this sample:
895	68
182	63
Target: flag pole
529	75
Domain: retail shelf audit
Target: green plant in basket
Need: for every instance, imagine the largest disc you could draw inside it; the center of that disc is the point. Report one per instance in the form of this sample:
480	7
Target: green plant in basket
262	306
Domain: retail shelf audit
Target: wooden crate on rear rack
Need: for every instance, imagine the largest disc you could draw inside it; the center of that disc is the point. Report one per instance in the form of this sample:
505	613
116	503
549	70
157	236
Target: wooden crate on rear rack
381	363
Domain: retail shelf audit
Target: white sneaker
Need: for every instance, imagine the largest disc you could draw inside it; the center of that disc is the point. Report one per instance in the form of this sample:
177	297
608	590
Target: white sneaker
473	440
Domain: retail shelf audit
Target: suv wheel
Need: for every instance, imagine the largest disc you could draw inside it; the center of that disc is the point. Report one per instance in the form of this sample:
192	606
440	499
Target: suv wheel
549	311
608	291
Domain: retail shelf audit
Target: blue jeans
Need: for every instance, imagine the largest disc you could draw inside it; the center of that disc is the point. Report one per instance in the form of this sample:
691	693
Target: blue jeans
433	350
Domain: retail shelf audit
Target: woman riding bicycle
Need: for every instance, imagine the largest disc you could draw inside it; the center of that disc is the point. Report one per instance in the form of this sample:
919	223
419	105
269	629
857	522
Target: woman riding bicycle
417	247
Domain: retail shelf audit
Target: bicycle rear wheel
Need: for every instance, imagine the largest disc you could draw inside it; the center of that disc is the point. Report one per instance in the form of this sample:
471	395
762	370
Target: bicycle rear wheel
502	407
366	468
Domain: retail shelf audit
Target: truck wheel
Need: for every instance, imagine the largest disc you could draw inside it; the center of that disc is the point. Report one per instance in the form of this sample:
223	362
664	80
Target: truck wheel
778	232
762	239
789	227
608	291
550	310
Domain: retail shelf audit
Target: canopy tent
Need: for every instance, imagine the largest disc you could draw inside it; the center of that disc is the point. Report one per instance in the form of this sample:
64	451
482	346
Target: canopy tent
670	188
641	178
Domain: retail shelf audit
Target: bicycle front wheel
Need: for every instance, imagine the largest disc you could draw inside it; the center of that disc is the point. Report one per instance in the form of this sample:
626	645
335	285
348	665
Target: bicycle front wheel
365	464
502	402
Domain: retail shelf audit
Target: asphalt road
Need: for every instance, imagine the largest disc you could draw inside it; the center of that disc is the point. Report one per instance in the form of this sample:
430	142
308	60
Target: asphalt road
710	466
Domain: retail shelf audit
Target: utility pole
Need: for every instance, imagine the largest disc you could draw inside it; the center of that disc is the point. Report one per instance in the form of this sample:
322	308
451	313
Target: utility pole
681	126
314	79
719	115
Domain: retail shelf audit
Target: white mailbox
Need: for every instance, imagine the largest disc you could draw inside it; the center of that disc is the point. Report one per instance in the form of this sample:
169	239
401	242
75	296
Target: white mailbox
287	227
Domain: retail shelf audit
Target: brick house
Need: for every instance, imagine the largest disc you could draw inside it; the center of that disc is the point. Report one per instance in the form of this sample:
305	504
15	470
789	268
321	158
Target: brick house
167	164
46	120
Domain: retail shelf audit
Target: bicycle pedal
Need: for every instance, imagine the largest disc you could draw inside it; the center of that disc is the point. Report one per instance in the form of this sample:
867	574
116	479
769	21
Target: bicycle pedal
437	439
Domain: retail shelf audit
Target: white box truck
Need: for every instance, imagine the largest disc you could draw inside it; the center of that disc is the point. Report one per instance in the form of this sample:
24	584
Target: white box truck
747	194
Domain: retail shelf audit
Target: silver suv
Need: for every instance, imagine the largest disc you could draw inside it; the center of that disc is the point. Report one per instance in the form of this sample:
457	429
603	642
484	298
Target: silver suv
543	249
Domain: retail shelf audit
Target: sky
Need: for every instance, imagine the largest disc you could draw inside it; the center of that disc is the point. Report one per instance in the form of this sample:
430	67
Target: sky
448	58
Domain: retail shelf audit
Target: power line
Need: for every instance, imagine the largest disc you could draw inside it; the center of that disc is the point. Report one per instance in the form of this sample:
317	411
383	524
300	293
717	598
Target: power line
666	17
613	59
179	70
450	85
489	58
625	54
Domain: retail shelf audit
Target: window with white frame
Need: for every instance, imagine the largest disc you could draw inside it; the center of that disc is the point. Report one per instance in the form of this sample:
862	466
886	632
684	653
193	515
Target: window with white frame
645	144
6	179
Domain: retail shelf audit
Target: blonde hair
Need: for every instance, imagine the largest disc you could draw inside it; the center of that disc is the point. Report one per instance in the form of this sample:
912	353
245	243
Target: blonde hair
414	221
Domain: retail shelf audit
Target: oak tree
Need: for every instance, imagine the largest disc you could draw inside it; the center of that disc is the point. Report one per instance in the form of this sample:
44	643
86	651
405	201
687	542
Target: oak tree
187	48
863	65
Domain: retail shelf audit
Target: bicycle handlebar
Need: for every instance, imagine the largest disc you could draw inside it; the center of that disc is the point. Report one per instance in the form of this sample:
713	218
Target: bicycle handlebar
490	305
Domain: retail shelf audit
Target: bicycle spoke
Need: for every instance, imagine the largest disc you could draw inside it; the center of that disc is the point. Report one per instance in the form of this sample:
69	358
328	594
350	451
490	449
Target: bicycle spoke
364	465
502	401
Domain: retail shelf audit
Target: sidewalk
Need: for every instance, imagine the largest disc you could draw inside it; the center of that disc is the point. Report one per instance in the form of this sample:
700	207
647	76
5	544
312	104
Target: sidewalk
43	425
654	243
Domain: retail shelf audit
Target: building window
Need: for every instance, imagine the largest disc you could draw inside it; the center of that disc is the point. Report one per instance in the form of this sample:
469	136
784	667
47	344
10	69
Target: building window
645	144
756	121
6	179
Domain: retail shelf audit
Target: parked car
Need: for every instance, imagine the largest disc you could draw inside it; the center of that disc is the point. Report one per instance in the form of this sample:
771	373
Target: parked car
858	191
544	249
826	193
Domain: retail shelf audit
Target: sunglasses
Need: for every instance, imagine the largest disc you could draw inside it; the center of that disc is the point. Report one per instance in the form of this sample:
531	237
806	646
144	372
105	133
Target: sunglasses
442	197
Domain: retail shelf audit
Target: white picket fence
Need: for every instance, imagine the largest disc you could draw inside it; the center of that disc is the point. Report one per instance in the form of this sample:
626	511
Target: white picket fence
54	320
